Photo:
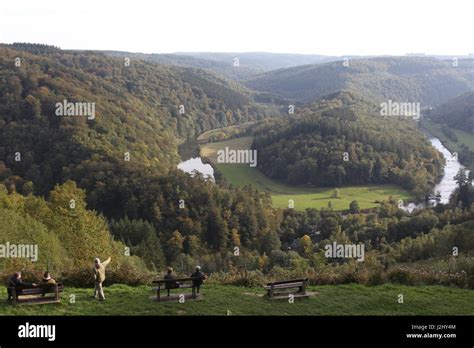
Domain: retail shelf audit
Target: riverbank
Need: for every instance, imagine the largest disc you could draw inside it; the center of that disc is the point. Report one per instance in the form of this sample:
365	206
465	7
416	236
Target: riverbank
298	197
435	130
447	184
301	198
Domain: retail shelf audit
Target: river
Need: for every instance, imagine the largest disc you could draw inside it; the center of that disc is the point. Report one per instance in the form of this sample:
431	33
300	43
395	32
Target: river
447	184
445	187
195	164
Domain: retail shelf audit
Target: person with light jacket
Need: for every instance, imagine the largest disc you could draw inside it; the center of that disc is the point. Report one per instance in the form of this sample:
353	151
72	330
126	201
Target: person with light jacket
99	277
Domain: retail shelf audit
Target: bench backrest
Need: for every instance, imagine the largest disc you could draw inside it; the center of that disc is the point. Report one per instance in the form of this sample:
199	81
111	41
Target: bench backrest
164	281
39	288
48	286
302	280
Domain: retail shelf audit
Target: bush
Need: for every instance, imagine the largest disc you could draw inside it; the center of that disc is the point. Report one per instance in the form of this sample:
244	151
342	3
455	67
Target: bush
238	278
401	276
326	277
376	278
465	266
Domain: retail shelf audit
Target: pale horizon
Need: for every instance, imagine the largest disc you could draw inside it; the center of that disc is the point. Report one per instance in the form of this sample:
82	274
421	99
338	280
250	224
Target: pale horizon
331	28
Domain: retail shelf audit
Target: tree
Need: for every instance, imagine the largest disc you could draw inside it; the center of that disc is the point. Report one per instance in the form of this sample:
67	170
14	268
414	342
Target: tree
269	241
174	246
279	258
192	245
235	237
217	231
461	177
305	245
354	207
462	194
140	236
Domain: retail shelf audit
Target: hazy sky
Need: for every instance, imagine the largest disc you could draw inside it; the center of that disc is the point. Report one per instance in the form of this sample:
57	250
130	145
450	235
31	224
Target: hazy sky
331	27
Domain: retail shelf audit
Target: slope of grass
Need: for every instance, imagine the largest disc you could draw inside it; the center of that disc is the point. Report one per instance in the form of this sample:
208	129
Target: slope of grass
303	197
219	299
453	146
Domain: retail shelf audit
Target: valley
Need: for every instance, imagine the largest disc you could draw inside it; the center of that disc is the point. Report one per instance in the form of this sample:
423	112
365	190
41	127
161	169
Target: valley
301	198
280	172
332	168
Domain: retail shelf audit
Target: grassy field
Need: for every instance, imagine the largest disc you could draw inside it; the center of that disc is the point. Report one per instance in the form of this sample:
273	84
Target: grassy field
463	137
303	197
204	137
219	299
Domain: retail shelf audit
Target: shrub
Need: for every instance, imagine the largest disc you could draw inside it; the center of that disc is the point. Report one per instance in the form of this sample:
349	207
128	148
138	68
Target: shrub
401	276
239	278
466	267
376	278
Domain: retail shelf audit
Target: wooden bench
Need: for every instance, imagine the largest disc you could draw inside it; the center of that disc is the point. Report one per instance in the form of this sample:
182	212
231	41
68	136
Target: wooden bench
279	290
171	284
40	289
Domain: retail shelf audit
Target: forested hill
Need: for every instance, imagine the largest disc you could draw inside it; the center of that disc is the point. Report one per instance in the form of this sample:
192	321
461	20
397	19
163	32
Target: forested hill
143	109
428	81
69	183
262	61
236	66
123	162
342	140
209	100
457	113
223	68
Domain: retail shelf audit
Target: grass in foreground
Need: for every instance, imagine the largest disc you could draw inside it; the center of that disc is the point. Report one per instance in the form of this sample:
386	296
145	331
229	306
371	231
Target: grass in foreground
219	299
303	197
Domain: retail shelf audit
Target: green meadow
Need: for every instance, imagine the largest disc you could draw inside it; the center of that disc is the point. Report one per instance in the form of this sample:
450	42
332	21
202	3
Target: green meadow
350	299
453	146
303	197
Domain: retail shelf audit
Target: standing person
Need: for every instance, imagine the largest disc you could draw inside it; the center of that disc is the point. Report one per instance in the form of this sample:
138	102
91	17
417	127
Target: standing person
18	284
201	276
99	277
172	284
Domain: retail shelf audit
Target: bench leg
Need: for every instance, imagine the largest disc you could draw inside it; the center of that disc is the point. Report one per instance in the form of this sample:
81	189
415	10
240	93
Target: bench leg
303	288
158	294
56	293
194	292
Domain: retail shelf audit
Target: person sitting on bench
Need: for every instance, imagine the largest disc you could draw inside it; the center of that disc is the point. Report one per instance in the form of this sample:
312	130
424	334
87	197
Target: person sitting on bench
170	276
17	283
47	280
198	274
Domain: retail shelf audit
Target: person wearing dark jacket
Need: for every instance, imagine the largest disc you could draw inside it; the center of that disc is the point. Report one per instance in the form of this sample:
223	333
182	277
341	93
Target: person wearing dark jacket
170	276
18	284
201	276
